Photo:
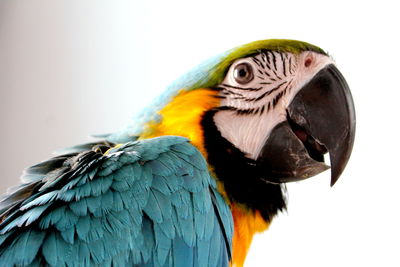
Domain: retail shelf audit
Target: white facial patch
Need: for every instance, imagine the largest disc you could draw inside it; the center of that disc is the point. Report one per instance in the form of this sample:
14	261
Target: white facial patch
251	110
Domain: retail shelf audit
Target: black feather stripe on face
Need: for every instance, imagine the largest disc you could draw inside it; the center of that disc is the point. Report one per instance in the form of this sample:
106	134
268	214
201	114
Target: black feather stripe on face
239	175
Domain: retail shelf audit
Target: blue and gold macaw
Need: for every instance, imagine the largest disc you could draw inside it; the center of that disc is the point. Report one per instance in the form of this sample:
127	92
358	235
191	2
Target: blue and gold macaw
197	175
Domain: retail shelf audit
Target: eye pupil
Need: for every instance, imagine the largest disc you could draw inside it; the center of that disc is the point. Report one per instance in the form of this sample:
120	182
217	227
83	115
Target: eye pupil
243	73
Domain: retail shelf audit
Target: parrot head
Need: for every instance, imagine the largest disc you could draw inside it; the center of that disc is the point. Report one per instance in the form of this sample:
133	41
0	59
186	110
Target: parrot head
263	114
284	107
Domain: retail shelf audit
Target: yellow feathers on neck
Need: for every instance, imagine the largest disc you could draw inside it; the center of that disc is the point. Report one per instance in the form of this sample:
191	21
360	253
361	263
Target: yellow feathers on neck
182	116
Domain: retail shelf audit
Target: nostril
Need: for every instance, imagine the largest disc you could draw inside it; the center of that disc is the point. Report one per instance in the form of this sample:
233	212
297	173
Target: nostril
308	62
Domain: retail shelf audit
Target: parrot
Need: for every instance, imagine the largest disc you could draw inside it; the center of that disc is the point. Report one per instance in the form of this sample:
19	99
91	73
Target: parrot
194	176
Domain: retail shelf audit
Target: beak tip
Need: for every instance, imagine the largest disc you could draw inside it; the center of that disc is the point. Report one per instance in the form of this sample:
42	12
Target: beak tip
334	177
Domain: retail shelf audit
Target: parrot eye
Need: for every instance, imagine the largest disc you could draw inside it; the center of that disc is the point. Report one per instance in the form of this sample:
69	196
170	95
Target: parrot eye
243	73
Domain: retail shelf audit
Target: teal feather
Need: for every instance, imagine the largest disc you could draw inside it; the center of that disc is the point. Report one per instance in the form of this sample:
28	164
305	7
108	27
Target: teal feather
80	192
215	246
43	199
202	200
69	235
31	215
149	242
153	209
208	231
187	228
68	219
118	204
83	254
192	183
183	148
181	249
186	171
107	201
161	185
203	251
100	186
116	222
167	227
96	230
29	242
121	186
97	251
120	260
53	249
163	245
200	223
79	208
93	204
83	227
226	215
52	218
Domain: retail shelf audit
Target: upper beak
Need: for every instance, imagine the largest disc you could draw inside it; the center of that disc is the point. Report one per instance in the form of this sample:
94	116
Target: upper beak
320	119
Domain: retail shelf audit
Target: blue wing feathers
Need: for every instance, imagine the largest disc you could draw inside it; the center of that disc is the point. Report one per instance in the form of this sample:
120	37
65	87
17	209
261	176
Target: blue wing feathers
145	203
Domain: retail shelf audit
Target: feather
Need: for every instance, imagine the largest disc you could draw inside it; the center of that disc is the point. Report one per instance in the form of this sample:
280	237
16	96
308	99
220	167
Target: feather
96	230
68	235
33	214
93	203
68	219
83	227
152	208
54	250
200	223
160	184
167	227
118	204
187	228
202	200
163	245
210	227
96	249
203	251
29	242
107	201
83	253
52	217
25	219
193	183
182	254
43	199
184	148
148	244
79	208
116	222
215	247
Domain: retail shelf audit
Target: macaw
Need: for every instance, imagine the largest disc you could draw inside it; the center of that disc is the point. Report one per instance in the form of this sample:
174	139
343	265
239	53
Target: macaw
199	173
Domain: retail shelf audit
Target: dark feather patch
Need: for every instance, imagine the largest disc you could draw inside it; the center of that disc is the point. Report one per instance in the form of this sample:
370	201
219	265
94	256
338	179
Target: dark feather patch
237	173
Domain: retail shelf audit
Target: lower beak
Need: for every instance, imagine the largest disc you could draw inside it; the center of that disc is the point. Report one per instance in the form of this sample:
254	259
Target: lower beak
320	119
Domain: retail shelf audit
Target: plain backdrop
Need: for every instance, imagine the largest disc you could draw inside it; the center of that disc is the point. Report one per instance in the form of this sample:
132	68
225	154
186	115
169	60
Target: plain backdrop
69	69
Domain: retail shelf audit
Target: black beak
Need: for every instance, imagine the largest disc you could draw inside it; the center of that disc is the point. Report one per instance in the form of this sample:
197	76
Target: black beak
320	119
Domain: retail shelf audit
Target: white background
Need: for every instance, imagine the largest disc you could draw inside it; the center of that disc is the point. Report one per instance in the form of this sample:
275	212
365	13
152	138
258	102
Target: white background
69	69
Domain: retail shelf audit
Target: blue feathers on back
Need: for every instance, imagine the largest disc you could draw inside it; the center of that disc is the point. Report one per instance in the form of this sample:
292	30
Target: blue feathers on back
146	203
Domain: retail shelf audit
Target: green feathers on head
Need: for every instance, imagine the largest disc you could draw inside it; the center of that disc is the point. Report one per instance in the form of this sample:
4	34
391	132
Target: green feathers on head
216	73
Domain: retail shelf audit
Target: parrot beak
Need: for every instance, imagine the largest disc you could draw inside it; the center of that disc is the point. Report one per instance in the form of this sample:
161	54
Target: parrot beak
320	119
